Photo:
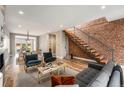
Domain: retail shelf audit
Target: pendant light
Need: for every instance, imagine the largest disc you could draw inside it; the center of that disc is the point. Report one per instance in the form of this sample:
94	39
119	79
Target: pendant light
28	40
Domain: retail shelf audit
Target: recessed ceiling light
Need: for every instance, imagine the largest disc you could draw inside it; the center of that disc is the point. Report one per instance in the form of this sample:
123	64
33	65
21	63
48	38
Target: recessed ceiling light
61	26
103	7
19	26
21	12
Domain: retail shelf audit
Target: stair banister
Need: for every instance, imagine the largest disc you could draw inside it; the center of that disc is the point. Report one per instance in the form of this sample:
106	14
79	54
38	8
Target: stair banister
91	37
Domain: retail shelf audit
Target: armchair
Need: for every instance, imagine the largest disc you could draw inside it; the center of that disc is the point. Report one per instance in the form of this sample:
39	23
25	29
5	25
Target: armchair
31	60
48	57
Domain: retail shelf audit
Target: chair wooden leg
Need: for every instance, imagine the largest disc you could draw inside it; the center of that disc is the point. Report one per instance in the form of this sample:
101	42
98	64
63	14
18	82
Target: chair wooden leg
25	67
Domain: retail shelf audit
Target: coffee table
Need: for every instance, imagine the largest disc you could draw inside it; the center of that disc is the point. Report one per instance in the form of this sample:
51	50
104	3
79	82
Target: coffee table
42	71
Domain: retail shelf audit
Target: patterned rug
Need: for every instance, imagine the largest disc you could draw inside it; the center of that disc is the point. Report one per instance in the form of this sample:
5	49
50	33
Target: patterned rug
30	79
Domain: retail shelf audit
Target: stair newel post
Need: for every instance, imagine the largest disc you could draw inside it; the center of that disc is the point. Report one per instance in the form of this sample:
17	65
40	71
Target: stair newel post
89	40
74	30
112	55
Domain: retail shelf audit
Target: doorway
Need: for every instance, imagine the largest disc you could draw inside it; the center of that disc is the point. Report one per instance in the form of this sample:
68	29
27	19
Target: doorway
52	44
21	44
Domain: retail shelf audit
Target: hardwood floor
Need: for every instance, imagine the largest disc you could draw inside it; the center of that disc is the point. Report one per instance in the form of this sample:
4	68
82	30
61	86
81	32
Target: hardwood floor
9	74
76	64
13	68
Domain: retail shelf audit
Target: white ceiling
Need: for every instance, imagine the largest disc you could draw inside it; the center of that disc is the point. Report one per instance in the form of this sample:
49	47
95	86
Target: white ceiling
41	19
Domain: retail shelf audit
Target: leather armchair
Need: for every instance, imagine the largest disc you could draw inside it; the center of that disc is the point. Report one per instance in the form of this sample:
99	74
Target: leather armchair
48	57
31	60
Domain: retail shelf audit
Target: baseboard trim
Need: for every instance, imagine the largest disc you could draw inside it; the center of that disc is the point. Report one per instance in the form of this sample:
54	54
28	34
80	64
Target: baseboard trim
59	57
84	59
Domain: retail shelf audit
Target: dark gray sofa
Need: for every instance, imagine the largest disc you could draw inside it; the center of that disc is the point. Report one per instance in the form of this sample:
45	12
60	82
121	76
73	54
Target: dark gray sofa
97	75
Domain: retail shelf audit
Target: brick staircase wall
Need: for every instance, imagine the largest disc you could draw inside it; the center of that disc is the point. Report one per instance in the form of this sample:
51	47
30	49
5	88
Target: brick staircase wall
84	47
112	34
76	51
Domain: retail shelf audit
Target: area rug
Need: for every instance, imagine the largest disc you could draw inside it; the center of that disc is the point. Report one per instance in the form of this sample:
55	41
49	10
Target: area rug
30	79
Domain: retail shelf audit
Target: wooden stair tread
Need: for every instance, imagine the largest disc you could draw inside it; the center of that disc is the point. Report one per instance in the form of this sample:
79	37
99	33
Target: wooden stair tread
79	40
93	51
70	34
89	48
104	61
96	54
100	57
86	45
83	43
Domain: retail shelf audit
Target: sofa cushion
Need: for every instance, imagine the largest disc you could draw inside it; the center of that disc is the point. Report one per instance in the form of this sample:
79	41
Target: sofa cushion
33	62
101	80
115	79
118	68
50	59
95	65
81	83
47	55
31	57
85	76
108	68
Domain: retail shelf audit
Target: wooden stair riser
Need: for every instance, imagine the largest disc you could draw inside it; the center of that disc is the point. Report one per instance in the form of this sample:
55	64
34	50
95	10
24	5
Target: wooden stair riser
79	41
96	54
104	61
99	58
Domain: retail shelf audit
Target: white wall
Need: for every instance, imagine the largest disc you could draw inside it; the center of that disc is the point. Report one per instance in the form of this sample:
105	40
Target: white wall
43	42
61	43
12	44
7	48
6	42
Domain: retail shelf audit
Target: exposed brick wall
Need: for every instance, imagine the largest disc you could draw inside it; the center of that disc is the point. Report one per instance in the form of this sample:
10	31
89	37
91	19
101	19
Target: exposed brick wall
95	22
76	51
112	34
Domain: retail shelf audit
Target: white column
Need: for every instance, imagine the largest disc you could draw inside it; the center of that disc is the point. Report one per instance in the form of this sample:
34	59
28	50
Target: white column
1	79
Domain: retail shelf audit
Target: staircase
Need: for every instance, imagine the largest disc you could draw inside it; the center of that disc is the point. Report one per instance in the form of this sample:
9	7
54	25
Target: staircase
84	46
